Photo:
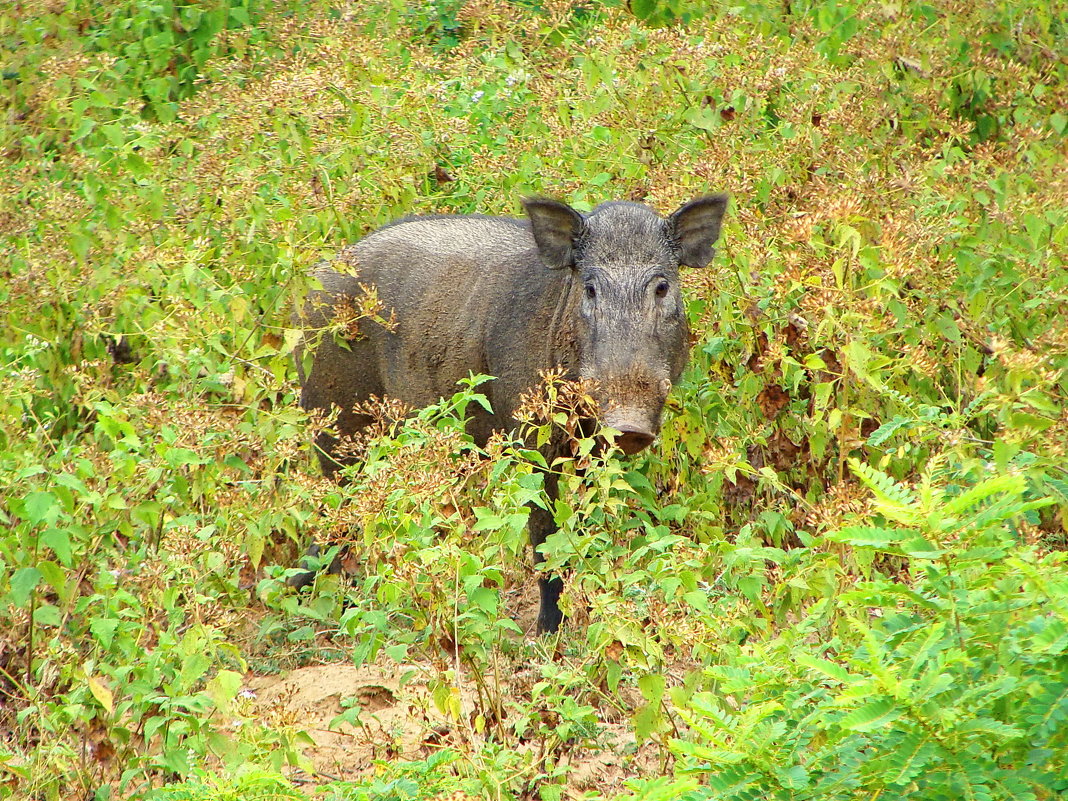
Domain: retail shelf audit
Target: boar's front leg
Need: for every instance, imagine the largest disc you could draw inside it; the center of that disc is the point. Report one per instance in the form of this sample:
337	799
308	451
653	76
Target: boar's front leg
299	581
540	525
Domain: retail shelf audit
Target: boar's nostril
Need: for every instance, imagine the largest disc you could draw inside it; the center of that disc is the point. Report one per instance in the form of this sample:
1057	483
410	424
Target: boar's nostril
630	441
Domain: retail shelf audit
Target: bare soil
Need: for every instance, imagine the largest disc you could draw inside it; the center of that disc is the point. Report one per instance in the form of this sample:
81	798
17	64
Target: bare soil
401	717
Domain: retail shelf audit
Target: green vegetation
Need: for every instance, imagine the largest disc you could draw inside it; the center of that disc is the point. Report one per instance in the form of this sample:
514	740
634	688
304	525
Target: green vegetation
840	574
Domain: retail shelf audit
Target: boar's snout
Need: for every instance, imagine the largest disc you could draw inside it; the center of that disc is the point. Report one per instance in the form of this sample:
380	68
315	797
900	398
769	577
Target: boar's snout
637	430
631	441
637	417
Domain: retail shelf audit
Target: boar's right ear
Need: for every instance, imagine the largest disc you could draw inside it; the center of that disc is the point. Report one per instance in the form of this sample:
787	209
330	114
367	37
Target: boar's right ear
555	226
695	228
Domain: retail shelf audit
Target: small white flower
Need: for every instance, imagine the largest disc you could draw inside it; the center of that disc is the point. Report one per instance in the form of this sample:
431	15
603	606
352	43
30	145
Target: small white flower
477	96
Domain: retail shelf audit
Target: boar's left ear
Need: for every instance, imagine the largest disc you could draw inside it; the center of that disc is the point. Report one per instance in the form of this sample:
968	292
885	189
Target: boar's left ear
695	227
555	226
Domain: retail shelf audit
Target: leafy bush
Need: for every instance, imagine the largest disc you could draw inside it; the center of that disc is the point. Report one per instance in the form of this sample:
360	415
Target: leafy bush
946	680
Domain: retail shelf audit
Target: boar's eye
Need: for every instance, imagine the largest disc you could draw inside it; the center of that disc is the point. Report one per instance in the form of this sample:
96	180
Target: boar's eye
662	289
591	293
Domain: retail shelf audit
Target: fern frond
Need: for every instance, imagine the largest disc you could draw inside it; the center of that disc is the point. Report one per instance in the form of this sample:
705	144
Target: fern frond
893	500
999	512
1012	483
921	548
888	429
1059	487
908	759
972	409
872	715
986	693
870	536
1047	713
829	669
706	716
1001	732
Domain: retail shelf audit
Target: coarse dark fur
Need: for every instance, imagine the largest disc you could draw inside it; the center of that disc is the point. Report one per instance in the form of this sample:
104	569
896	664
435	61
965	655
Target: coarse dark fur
595	295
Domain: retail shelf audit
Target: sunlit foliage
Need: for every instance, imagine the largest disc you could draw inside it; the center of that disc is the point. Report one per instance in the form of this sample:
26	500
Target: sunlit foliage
840	573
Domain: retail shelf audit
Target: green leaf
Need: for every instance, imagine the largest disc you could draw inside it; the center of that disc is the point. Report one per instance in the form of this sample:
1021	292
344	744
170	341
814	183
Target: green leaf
647	721
714	755
665	788
652	687
223	688
643	9
822	394
486	520
23	582
55	576
1026	420
47	615
59	541
39	505
103	629
484	598
147	512
858	357
177	760
704	118
698	599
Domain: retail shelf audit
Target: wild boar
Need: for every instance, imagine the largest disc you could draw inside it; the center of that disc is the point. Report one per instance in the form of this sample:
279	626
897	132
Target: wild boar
595	295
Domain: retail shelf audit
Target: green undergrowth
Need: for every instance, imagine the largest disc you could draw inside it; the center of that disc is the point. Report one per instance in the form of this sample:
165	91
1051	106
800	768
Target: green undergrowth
393	782
838	574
